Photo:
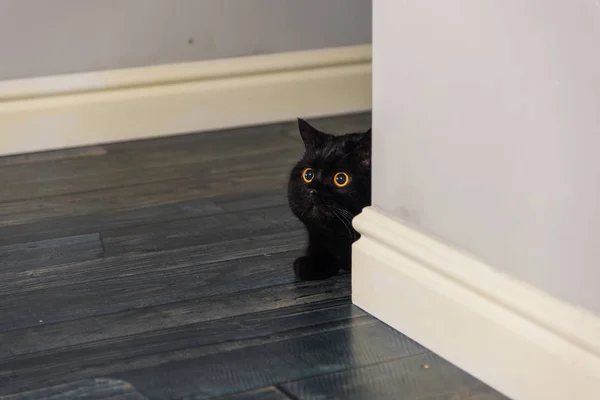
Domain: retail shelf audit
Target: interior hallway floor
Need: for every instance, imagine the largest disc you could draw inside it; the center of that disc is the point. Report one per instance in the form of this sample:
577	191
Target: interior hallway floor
161	269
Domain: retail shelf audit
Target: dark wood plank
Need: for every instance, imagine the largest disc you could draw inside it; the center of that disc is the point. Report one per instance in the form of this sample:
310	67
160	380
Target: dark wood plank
134	208
310	312
174	150
62	212
201	171
22	280
241	140
71	302
98	221
268	393
92	389
190	232
112	328
361	342
249	201
425	376
208	159
254	180
50	252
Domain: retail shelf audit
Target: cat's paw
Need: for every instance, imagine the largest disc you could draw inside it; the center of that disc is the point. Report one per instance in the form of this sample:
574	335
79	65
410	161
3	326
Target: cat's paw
303	268
309	268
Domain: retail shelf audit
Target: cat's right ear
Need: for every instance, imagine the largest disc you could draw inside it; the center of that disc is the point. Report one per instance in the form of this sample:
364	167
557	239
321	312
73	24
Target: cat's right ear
364	149
311	136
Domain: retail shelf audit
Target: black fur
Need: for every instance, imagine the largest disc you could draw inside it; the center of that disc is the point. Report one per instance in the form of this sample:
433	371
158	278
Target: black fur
328	213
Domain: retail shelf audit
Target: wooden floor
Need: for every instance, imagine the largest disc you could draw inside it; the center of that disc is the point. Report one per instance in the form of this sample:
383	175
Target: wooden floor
161	269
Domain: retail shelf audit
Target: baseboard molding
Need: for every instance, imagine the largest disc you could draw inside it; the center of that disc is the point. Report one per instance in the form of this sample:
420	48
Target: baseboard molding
519	340
107	106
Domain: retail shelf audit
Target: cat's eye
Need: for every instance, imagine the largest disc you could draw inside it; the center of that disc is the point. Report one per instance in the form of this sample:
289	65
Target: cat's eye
341	179
308	175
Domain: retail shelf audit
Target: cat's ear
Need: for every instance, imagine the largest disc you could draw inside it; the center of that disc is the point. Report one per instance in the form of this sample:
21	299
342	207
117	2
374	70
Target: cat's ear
311	136
363	149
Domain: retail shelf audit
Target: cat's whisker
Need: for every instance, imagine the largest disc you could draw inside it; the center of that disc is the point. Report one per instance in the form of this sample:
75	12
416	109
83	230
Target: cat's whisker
343	223
349	218
347	213
344	220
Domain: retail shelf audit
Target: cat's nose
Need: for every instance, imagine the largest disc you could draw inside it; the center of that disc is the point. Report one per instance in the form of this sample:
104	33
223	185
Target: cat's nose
312	192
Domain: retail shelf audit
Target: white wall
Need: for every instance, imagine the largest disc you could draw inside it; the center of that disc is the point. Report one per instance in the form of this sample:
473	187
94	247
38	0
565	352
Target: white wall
39	37
487	132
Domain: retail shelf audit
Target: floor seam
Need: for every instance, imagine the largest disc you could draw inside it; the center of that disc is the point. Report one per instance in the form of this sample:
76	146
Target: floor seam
286	392
102	245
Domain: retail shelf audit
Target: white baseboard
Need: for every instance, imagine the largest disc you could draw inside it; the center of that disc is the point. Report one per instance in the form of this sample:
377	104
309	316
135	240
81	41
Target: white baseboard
106	106
519	340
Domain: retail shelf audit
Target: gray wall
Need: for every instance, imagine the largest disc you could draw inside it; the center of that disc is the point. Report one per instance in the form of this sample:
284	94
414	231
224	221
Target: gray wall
487	133
43	37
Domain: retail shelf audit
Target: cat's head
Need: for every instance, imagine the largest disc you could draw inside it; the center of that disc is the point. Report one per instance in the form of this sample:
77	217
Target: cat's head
333	178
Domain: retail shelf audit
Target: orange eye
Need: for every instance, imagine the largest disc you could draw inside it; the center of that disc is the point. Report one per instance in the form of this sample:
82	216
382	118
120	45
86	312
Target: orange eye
308	175
341	179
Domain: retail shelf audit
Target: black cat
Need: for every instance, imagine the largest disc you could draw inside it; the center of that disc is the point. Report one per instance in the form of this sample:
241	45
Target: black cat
328	187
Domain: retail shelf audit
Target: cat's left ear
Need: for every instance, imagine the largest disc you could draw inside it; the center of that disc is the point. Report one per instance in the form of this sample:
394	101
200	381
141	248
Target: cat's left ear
311	136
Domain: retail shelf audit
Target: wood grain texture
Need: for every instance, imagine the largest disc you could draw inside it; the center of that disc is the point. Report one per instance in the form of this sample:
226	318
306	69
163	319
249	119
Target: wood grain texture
205	172
50	252
26	279
93	389
362	341
189	232
209	158
184	315
128	207
177	337
117	294
167	263
268	393
128	198
425	376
